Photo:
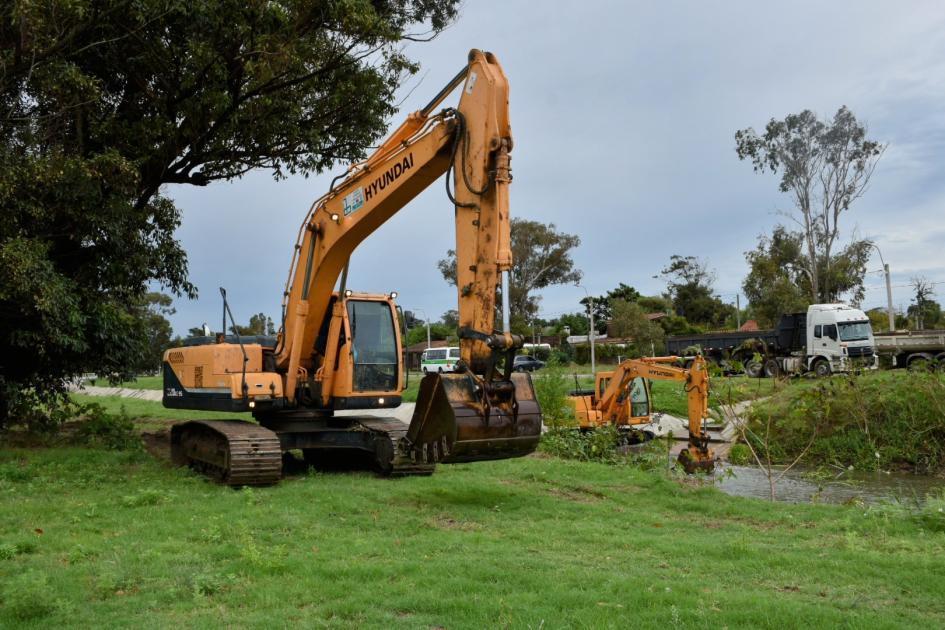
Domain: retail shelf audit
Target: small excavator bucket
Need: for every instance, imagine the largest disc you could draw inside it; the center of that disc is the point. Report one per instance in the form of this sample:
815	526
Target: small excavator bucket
462	418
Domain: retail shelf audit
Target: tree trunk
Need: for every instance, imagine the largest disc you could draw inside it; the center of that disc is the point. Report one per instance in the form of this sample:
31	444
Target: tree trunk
4	405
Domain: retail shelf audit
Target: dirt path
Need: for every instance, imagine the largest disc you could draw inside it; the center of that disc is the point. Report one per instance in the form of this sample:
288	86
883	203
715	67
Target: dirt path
124	392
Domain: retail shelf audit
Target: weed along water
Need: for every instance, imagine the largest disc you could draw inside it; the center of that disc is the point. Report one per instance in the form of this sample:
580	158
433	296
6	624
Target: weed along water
845	486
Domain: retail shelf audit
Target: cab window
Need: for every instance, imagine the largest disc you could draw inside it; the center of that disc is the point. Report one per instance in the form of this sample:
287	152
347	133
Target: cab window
639	401
373	346
817	331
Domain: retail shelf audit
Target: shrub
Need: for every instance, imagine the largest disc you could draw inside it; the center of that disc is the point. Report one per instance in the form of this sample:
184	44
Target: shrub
873	421
552	387
740	455
108	430
605	444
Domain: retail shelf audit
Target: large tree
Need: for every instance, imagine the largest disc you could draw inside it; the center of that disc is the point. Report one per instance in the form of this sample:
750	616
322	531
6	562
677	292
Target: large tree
259	324
778	280
925	312
690	285
153	312
603	311
630	320
102	103
825	165
541	257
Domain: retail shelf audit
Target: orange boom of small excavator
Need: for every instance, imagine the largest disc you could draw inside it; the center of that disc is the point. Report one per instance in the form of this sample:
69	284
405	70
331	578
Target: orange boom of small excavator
341	350
622	398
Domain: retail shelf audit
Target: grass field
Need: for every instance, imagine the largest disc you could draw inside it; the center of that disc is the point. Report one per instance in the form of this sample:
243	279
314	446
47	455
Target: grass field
92	538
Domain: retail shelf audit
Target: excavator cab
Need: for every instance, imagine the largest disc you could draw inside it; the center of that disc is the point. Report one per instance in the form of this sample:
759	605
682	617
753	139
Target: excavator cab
633	404
361	357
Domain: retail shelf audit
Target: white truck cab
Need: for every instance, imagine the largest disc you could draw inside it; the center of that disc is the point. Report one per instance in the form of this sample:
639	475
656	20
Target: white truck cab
839	338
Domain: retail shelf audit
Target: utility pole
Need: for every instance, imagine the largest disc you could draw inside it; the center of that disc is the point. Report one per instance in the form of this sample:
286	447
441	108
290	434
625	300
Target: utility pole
738	312
590	336
889	304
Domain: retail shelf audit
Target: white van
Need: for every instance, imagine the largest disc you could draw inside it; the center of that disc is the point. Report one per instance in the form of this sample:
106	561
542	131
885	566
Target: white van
439	359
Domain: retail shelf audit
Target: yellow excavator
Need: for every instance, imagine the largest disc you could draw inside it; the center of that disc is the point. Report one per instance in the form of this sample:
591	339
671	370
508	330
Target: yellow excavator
338	349
622	398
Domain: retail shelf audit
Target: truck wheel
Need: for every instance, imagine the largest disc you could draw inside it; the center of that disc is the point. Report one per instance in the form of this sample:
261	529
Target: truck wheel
821	368
940	362
754	369
920	363
772	368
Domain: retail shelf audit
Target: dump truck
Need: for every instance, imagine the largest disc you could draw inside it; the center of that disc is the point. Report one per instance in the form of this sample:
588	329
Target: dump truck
913	348
827	338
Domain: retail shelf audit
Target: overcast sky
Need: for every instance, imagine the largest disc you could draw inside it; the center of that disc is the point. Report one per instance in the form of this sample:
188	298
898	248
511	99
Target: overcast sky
623	115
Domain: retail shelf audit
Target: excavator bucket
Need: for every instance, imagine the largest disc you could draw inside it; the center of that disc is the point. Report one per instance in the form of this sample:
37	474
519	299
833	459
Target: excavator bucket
462	418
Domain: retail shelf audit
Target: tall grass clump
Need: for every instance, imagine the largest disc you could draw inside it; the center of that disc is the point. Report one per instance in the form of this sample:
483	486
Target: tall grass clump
552	386
875	421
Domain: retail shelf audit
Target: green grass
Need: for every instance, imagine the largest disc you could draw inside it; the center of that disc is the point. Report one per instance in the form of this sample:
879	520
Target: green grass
93	538
137	408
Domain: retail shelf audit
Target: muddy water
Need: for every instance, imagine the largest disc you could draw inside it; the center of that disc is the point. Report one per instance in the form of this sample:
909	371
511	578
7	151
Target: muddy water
799	486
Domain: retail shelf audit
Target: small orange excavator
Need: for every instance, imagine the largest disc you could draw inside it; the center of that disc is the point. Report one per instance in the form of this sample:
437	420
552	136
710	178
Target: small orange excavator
342	350
622	398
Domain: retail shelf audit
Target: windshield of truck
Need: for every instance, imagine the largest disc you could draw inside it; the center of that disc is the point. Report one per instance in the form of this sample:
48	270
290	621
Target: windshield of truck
855	331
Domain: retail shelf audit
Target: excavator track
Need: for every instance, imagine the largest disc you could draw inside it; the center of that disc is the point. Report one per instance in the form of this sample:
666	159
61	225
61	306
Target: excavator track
232	452
392	458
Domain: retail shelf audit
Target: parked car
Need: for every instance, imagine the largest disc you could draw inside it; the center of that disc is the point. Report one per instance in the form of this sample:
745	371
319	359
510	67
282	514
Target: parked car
526	363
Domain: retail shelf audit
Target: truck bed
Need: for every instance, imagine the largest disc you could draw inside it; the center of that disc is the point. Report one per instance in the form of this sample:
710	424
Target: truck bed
721	340
911	341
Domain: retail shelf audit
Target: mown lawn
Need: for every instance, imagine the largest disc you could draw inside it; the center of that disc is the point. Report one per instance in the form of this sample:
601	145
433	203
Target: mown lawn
92	538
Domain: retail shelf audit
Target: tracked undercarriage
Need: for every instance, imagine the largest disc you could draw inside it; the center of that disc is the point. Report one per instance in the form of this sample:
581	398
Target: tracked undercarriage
240	453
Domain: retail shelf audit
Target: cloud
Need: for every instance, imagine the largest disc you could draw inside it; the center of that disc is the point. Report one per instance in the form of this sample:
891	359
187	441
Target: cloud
624	116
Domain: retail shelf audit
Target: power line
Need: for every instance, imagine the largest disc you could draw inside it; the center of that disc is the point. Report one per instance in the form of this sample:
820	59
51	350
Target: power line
897	286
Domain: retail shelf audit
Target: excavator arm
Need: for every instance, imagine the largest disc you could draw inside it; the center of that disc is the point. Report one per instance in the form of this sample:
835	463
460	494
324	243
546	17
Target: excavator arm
612	403
477	413
474	140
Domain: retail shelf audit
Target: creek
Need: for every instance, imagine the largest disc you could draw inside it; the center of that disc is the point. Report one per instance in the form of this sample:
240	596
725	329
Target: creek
805	486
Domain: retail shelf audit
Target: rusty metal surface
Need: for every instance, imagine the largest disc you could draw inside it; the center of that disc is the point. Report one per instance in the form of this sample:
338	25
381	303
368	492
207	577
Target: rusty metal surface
393	459
460	418
232	452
